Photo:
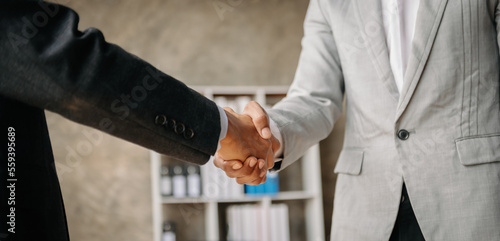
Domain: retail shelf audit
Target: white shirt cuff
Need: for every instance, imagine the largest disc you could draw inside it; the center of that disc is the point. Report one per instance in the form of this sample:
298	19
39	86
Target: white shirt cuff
223	125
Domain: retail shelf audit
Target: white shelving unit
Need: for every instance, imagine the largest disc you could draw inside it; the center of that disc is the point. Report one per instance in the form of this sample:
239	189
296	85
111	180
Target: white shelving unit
310	195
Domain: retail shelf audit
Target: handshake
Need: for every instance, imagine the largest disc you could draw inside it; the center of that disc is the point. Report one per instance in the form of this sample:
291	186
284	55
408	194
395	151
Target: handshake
247	151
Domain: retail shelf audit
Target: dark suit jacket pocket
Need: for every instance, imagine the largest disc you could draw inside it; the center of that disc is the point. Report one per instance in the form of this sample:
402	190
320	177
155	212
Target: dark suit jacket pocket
350	162
479	149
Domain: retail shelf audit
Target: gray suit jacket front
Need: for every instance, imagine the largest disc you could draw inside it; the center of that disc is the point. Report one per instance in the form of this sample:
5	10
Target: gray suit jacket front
449	105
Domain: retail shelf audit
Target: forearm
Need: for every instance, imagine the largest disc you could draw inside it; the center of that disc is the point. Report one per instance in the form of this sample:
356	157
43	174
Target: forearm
82	77
301	126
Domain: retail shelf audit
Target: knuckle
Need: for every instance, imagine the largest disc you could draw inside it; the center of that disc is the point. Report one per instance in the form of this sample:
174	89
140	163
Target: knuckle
240	181
257	181
251	105
227	169
217	163
247	172
229	109
261	119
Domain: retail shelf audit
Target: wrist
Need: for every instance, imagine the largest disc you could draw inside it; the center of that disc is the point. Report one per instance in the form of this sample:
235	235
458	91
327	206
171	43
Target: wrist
230	127
223	126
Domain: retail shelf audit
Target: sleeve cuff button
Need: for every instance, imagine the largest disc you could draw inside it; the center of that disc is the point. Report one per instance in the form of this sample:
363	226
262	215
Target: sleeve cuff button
160	120
179	128
189	133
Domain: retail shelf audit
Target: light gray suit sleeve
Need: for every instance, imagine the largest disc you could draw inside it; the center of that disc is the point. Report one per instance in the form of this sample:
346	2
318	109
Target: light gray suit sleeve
314	101
497	21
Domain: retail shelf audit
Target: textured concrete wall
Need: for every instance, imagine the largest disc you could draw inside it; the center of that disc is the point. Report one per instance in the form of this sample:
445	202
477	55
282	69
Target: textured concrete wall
106	184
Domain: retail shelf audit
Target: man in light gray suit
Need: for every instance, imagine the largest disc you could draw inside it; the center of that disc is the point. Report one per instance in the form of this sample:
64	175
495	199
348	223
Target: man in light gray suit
421	83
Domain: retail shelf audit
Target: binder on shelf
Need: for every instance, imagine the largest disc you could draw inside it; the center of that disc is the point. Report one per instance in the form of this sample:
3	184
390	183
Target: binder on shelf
250	189
254	222
209	180
270	187
279	222
260	189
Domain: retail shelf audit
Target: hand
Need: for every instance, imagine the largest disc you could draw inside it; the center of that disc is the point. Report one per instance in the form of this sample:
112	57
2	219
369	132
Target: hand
260	119
247	172
251	171
242	139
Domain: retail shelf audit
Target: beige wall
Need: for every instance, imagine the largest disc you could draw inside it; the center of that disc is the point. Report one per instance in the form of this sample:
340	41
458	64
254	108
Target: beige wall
106	181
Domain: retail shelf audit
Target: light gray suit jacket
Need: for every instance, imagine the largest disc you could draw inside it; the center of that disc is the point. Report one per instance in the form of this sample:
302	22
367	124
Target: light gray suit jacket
449	105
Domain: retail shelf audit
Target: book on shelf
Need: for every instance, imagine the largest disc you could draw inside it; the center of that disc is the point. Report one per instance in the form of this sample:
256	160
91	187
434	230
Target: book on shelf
254	222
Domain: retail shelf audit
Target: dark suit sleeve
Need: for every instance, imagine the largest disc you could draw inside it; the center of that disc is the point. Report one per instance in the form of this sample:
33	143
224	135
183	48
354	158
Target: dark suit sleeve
48	63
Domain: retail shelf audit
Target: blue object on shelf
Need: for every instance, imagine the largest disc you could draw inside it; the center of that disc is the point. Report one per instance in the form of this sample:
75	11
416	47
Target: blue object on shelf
270	187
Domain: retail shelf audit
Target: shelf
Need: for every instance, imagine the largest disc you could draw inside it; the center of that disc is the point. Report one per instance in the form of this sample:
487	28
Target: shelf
242	90
282	196
207	213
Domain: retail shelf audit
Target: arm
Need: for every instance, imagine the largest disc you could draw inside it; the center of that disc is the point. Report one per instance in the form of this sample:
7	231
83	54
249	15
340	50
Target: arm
497	22
46	62
314	101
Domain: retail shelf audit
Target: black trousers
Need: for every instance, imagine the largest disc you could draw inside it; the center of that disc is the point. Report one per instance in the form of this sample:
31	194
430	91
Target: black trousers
406	227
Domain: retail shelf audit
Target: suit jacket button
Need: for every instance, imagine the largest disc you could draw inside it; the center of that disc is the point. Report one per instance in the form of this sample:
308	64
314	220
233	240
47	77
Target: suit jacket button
179	128
161	120
171	124
403	134
189	133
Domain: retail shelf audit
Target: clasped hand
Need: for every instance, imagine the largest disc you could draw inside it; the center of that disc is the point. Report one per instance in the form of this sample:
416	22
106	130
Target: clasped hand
247	151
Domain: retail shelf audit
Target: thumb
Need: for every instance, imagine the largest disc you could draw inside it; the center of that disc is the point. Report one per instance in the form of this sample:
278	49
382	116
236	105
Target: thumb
275	144
259	118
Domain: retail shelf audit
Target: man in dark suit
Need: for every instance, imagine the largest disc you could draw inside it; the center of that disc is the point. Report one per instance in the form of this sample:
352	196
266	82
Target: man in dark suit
47	63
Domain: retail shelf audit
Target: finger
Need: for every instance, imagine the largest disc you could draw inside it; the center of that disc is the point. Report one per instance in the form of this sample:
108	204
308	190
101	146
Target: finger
275	144
262	178
230	167
228	109
218	161
264	168
270	158
227	164
258	181
246	169
259	118
252	176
